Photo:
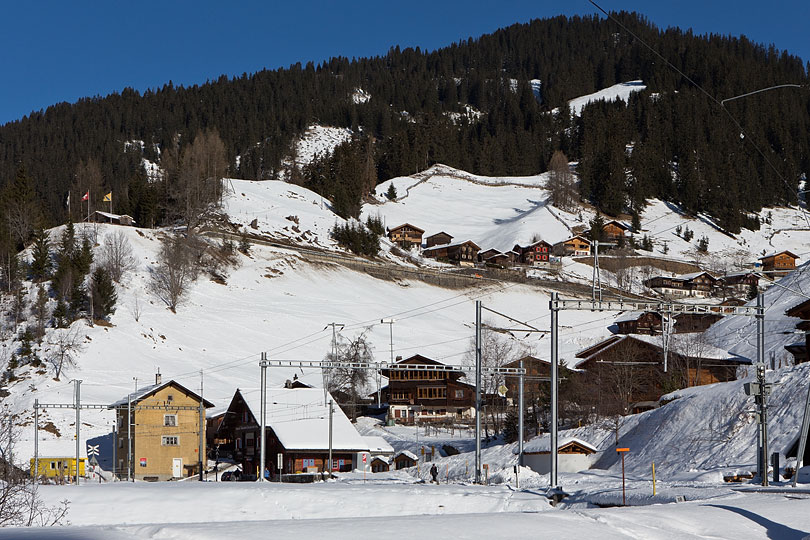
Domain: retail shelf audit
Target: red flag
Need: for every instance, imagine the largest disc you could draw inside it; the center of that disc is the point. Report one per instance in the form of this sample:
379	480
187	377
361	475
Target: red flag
86	196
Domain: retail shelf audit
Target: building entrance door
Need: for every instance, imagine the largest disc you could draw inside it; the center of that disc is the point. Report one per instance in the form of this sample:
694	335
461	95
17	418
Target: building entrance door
177	468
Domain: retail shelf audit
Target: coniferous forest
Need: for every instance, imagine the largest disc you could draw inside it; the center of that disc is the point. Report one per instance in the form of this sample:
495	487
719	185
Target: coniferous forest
670	141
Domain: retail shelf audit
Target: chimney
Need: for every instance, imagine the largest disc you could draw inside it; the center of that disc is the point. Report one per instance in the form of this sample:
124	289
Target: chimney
157	377
399	359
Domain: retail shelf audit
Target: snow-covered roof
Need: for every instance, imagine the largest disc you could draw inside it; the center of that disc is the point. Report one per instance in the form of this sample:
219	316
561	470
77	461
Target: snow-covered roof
543	444
775	253
443	246
406	453
689	277
630	316
146	391
378	445
693	345
300	419
113	216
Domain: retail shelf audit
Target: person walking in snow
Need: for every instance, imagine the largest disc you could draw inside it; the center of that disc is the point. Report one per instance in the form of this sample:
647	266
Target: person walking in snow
434	472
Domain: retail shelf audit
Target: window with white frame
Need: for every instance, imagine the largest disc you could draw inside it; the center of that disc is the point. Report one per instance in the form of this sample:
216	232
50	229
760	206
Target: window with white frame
169	440
170	420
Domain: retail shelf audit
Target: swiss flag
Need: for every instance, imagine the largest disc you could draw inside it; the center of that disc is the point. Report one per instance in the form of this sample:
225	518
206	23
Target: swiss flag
86	196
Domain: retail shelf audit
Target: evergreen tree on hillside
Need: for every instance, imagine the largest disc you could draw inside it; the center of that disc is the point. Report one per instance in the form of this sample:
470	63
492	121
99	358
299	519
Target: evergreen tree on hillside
41	253
102	293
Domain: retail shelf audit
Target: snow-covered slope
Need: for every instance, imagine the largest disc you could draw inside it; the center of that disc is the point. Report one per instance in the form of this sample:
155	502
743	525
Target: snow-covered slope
492	212
612	93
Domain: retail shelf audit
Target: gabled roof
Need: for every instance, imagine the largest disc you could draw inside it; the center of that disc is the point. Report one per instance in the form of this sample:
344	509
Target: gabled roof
414	227
529	359
437	234
543	444
457	244
769	255
693	275
621	224
687	344
799	309
300	419
406	453
630	316
143	393
583	238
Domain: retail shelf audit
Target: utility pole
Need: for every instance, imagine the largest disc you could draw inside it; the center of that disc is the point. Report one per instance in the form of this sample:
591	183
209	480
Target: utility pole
554	376
763	408
78	397
331	414
477	392
520	416
115	447
390	323
596	286
805	425
324	372
666	318
129	438
36	439
201	449
263	414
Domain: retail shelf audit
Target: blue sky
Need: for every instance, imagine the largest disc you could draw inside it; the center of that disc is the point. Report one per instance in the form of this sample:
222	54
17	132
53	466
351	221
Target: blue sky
55	51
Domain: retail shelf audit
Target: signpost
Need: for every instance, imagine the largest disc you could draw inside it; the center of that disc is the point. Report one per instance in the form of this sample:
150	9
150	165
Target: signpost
622	451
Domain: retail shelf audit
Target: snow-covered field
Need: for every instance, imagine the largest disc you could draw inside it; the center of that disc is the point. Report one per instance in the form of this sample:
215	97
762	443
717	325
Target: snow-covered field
350	509
620	91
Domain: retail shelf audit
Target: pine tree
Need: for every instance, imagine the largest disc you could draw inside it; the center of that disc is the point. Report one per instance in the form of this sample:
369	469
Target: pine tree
41	312
597	227
103	293
41	263
392	192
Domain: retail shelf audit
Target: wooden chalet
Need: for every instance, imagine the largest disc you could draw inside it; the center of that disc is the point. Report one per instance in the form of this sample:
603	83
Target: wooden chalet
406	235
107	217
778	264
688	323
487	253
438	239
536	254
640	322
404	459
613	230
380	464
576	246
535	382
427	395
464	253
739	283
297	427
699	284
635	363
800	347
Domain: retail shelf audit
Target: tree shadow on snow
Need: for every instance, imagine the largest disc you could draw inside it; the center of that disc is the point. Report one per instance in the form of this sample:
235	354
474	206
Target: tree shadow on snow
774	530
520	213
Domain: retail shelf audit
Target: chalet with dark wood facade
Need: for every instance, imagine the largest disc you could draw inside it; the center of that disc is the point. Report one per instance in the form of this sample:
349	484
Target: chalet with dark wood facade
635	362
463	254
535	382
640	322
739	283
427	395
576	246
613	230
800	347
778	264
536	254
406	235
699	284
438	239
297	427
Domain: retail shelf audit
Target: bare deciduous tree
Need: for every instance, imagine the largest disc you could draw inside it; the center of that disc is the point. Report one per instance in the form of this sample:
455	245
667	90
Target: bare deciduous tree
174	272
198	187
117	256
347	381
66	344
20	503
561	182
